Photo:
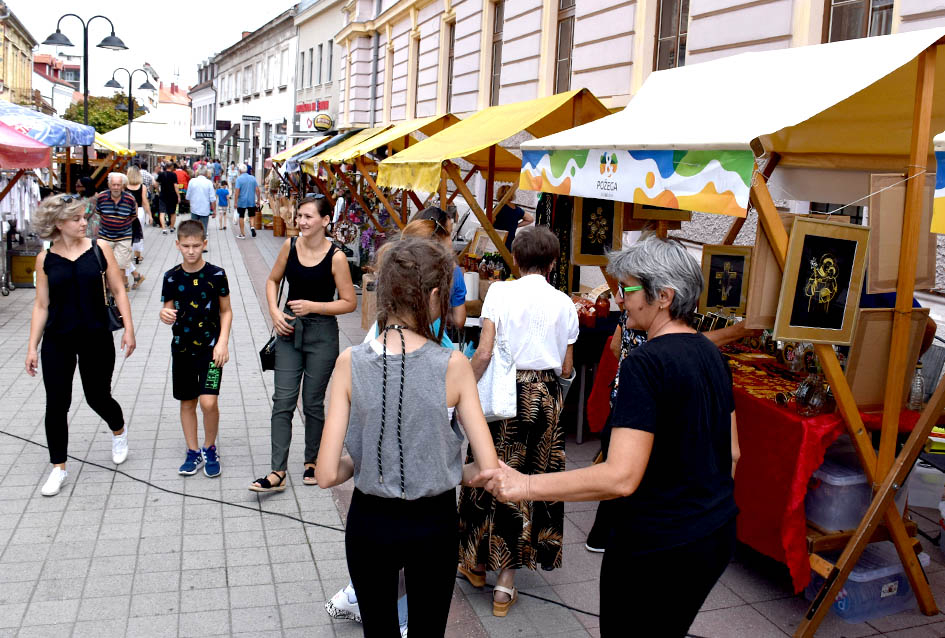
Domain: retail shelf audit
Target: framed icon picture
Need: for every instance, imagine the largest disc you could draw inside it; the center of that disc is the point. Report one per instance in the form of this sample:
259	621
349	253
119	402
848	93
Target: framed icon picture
596	229
822	282
725	271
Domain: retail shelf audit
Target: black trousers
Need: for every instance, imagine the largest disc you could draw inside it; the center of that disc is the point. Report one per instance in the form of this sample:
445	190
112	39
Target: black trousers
96	358
385	535
633	586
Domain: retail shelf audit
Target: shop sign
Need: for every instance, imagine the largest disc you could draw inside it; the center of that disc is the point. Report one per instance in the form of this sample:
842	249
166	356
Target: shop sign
314	122
316	106
223	125
204	135
251	118
242	139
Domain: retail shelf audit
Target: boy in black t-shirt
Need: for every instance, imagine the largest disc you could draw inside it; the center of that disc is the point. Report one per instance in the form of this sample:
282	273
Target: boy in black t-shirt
197	304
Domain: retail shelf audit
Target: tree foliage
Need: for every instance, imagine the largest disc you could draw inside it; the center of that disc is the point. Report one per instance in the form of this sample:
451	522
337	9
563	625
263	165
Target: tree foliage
103	115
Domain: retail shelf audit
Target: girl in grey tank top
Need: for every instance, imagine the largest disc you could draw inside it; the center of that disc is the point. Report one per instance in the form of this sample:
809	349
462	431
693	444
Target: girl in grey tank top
388	406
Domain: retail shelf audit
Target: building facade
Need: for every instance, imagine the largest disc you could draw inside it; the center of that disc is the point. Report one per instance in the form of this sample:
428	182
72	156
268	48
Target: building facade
48	80
203	105
318	76
16	65
255	92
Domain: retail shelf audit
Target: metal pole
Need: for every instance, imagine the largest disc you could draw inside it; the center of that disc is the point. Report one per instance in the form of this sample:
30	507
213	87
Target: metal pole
130	111
85	91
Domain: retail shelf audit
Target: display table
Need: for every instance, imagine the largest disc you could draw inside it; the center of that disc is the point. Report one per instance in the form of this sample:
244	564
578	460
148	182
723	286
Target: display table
780	451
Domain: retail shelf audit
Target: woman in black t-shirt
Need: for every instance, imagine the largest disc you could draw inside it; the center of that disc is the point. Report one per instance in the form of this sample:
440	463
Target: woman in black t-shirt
671	457
307	346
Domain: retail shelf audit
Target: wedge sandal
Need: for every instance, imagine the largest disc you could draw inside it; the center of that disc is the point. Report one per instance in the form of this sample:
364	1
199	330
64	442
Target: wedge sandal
266	486
501	610
476	579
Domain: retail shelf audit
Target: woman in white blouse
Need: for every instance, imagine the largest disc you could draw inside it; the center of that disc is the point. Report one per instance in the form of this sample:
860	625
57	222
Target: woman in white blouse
540	325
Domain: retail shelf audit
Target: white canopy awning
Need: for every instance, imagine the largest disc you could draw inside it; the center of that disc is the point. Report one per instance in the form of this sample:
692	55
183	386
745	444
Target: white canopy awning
686	138
150	134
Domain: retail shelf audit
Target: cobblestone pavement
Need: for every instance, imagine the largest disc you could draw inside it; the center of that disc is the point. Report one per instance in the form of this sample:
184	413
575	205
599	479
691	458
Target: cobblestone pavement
146	552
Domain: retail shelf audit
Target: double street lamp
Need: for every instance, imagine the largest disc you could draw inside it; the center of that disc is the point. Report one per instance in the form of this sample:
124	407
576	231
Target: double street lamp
147	86
111	42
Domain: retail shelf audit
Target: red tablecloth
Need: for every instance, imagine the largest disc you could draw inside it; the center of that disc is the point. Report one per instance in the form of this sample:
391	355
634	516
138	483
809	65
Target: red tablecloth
779	453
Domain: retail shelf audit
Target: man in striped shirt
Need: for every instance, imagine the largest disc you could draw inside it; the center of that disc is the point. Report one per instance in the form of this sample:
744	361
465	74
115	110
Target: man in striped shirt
117	210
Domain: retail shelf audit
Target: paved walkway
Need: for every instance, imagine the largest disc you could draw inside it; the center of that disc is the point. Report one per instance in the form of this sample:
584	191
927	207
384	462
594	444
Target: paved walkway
145	552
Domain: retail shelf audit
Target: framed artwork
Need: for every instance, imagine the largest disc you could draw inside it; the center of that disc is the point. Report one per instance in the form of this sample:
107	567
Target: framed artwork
482	243
725	270
887	206
642	211
596	229
869	354
764	280
822	281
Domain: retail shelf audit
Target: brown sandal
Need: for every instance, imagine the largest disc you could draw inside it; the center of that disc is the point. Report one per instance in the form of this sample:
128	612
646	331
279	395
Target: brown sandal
476	579
501	610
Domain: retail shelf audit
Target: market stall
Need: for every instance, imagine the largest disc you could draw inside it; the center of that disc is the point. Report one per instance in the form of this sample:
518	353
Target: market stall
845	117
431	164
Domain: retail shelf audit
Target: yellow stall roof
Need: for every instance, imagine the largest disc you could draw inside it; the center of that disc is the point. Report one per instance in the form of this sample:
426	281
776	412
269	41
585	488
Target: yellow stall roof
418	167
301	147
336	154
113	147
395	135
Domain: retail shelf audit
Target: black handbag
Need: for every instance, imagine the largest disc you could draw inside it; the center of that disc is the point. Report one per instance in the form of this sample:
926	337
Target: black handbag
113	315
267	356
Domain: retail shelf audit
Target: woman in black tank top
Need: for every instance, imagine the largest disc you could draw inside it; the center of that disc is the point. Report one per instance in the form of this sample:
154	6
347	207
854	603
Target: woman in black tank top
307	345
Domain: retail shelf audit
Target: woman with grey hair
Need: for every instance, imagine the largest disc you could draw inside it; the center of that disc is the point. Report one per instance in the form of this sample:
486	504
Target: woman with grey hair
70	317
667	477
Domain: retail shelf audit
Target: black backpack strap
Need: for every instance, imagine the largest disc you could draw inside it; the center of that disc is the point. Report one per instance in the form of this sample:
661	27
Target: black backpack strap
102	265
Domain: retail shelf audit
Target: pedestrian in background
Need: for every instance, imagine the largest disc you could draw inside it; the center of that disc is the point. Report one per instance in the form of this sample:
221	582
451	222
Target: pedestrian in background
196	297
167	180
117	210
202	199
69	317
247	200
140	192
223	204
307	346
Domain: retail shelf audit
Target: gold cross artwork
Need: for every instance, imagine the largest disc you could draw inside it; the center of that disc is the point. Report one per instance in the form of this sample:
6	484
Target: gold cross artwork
726	280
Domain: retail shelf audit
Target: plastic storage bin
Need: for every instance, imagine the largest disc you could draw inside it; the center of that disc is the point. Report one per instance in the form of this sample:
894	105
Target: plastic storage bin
877	586
839	495
926	486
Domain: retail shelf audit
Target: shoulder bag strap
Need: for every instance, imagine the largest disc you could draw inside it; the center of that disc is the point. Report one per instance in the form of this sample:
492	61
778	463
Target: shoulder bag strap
102	267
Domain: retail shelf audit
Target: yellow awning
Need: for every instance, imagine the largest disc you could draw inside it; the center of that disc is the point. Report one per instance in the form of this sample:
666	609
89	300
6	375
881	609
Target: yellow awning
113	147
336	154
395	135
301	147
418	167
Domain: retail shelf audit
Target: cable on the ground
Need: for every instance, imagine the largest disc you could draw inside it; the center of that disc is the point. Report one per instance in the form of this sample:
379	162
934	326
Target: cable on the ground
259	510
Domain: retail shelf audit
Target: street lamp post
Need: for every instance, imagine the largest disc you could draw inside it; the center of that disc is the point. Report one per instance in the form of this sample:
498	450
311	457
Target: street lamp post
147	86
111	42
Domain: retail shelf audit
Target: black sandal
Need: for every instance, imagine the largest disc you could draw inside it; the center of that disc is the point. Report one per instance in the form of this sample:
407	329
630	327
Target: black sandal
266	486
308	477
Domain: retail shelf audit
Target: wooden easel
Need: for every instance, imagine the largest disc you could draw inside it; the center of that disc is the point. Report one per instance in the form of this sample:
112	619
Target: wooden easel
886	471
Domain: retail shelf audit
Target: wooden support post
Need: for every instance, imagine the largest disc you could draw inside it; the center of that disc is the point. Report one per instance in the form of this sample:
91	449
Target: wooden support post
466	179
881	506
359	163
505	199
357	196
403	206
104	174
444	182
416	200
68	184
453	172
323	187
908	254
6	190
738	222
490	185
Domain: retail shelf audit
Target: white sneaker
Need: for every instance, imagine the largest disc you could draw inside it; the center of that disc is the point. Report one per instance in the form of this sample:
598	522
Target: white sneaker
54	483
403	631
341	606
120	448
241	236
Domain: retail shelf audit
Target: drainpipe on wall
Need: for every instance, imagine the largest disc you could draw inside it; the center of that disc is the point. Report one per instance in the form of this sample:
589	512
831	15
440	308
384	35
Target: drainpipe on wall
377	46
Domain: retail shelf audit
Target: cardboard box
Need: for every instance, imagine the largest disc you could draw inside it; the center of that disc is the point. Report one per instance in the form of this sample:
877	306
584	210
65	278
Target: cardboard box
368	301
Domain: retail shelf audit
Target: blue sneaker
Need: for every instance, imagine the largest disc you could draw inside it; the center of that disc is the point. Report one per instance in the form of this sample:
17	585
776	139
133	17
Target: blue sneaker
192	464
212	468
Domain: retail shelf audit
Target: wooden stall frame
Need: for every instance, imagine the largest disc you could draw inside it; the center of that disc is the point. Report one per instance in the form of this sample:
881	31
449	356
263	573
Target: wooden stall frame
885	471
